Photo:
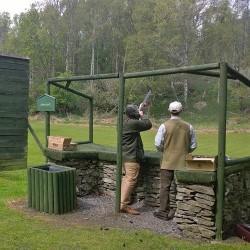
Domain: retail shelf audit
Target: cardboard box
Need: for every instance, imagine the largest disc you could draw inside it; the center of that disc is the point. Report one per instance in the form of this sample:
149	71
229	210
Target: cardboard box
61	143
201	163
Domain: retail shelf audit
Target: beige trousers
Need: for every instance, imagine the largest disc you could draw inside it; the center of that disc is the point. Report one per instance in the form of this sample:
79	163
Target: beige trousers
129	180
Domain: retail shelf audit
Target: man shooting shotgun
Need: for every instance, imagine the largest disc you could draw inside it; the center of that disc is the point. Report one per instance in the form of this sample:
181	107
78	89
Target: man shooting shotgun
134	122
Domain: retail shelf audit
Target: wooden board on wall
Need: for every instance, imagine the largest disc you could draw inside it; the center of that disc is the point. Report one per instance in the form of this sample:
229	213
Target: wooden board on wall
14	98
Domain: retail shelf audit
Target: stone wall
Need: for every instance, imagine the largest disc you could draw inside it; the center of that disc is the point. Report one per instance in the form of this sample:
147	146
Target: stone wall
100	177
195	214
192	193
237	201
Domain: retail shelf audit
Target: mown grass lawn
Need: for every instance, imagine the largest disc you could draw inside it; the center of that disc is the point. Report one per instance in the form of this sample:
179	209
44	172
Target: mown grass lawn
19	231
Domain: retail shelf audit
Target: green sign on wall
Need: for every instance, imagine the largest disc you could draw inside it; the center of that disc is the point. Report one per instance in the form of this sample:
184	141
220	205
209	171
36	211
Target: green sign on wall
46	103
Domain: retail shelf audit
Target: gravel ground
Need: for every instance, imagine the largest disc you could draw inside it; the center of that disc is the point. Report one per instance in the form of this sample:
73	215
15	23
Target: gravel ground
100	209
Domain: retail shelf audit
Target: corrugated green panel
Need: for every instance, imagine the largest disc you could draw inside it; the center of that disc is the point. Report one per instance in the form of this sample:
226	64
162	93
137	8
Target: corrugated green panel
29	187
45	191
67	190
37	191
56	193
51	189
41	193
33	188
60	192
50	193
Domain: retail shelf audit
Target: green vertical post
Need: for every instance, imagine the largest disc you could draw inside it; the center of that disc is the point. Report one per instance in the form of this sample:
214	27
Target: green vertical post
47	118
45	191
50	193
41	195
119	143
29	188
221	150
37	191
55	179
91	122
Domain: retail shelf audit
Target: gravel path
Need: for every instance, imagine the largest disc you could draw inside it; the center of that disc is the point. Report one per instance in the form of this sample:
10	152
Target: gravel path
100	209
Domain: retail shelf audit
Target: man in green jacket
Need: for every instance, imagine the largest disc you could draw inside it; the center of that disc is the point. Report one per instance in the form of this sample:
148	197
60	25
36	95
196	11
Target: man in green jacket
175	139
133	153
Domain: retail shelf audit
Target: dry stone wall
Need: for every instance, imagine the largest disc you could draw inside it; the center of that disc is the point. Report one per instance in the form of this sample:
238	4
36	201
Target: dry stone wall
195	214
100	177
192	194
237	201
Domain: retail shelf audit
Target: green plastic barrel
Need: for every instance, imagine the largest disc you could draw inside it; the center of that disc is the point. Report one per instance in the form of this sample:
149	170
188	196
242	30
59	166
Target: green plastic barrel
52	189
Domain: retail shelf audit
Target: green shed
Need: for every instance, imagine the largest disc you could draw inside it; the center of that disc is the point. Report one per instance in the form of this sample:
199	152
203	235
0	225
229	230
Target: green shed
14	97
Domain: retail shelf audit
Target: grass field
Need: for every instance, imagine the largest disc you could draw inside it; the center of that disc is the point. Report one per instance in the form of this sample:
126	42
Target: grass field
237	144
20	231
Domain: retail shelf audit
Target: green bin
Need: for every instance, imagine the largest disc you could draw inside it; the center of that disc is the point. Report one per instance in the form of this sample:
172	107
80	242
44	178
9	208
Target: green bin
52	189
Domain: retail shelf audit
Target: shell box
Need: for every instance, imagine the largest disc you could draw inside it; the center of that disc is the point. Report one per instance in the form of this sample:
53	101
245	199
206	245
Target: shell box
61	143
201	163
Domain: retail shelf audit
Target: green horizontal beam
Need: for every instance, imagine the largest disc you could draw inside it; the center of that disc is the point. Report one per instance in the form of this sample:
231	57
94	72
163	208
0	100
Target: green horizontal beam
237	161
173	71
81	78
239	76
72	90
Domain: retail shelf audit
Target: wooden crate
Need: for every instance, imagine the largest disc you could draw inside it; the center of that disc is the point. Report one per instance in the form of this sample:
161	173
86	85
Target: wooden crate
61	143
201	163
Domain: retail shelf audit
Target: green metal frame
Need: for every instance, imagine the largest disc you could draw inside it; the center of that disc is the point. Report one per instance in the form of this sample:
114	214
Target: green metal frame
220	70
69	80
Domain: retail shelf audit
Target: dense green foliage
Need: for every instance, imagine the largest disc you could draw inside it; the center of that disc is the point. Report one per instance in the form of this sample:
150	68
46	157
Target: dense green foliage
80	37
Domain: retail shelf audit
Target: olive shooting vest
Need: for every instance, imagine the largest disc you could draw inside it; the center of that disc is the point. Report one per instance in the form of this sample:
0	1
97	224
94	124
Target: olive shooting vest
176	144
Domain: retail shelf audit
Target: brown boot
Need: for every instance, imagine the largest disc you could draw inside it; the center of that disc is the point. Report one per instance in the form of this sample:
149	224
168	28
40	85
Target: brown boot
130	210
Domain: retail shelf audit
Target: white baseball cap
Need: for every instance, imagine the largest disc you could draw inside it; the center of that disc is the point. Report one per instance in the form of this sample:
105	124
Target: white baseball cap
175	107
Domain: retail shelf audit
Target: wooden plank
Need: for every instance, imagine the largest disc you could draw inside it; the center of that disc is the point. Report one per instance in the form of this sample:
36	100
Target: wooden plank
7	78
13	150
14	99
18	125
14	73
19	115
12	132
4	165
14	109
15	66
9	98
17	138
7	156
13	86
7	120
12	144
4	57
